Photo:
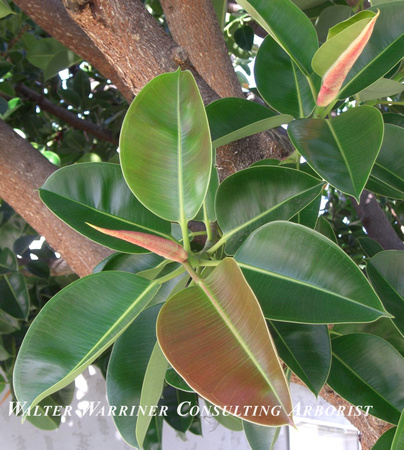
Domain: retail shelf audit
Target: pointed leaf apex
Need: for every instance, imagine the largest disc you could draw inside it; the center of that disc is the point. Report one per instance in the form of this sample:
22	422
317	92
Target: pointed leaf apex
161	246
336	74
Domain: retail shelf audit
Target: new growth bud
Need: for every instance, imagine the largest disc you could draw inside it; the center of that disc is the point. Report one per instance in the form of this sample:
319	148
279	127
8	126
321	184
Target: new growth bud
161	246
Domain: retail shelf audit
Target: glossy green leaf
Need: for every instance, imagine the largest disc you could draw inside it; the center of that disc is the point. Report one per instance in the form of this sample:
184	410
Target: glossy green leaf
74	328
226	420
47	414
8	324
385	440
305	349
40	53
154	435
395	119
175	380
14	298
8	261
380	89
132	263
298	275
127	367
280	82
324	227
259	437
5	351
385	271
99	195
5	10
165	145
276	16
343	149
366	370
151	390
330	17
216	338
398	441
255	196
383	328
348	22
60	61
370	246
178	400
2	383
387	176
383	51
308	216
234	118
5	67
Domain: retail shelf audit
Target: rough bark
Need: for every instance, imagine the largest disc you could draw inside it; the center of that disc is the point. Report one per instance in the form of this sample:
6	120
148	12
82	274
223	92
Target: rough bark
52	17
23	171
206	48
376	223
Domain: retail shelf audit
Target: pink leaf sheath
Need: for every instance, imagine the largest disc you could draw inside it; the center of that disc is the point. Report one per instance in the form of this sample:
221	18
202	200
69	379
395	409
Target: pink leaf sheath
336	74
163	247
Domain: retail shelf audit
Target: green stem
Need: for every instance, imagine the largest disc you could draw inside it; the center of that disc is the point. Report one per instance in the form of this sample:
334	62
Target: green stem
335	332
218	244
329	109
312	88
170	276
318	112
207	223
185	236
198	233
191	272
390	103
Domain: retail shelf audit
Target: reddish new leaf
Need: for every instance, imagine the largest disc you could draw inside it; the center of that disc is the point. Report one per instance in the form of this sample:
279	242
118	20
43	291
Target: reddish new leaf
163	247
215	336
335	76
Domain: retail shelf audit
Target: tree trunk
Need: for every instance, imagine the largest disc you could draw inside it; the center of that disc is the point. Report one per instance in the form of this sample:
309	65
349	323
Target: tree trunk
23	171
375	222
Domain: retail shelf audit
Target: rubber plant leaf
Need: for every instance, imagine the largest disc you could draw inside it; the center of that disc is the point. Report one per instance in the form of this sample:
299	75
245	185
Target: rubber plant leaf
74	328
298	275
335	76
215	336
165	147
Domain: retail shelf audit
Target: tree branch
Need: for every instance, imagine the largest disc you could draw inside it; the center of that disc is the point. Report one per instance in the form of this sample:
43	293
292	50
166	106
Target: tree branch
23	171
52	17
376	223
206	47
66	115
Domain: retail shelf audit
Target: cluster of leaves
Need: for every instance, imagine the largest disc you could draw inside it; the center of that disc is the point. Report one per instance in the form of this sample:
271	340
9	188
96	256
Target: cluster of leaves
186	322
29	64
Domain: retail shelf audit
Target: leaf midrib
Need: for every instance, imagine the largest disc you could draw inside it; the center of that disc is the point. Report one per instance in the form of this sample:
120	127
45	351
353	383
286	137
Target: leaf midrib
233	231
331	128
218	141
302	283
98	211
358	376
88	356
291	353
235	333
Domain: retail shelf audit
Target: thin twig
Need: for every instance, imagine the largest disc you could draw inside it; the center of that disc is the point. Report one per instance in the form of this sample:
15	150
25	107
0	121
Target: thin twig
67	116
